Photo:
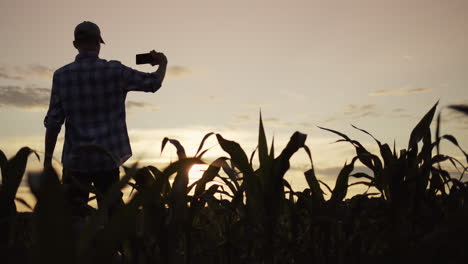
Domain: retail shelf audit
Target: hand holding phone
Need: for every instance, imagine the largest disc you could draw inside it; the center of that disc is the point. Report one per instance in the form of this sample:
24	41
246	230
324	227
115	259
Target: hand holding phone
145	58
153	58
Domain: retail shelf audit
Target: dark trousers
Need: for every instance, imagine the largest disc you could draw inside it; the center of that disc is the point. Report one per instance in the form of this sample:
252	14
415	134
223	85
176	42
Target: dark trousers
78	185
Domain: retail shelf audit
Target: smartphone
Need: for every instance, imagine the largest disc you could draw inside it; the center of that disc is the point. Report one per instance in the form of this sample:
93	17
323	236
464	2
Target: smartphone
144	58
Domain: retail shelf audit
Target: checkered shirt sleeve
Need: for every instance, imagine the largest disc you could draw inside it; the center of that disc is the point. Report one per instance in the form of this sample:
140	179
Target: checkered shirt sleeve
55	116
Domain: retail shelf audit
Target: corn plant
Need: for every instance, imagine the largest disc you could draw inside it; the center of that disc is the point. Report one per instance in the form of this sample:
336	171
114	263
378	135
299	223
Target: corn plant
251	214
12	175
410	173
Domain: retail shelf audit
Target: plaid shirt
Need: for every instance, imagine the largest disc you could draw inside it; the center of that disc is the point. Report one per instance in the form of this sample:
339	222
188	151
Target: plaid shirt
89	96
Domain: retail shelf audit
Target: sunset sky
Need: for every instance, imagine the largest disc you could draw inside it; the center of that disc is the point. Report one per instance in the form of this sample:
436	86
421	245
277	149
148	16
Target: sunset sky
380	65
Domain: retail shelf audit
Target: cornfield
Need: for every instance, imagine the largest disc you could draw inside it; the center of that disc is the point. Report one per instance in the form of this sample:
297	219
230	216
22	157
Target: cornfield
418	213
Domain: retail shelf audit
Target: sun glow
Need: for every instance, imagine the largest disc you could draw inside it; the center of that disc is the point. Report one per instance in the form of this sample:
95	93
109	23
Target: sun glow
196	172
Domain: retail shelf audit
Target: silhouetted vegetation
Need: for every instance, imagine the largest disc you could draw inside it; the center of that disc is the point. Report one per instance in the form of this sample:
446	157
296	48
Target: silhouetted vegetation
419	212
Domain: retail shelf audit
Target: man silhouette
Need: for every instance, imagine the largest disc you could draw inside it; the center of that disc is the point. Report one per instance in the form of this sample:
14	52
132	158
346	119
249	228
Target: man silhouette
89	96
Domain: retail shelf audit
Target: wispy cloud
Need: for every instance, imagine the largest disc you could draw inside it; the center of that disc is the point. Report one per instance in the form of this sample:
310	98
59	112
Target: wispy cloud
307	124
271	120
332	172
178	71
26	72
5	74
212	98
455	119
330	119
131	105
25	98
398	110
45	72
33	98
356	111
35	70
243	118
400	91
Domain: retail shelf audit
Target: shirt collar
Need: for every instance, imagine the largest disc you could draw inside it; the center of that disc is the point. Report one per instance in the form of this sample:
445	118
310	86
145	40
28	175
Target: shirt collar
86	55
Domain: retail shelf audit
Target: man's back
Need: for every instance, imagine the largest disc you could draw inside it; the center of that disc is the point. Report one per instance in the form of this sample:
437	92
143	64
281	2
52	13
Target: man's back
89	95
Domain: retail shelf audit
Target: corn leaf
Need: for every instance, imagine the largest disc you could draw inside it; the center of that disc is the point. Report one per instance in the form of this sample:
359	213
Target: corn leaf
3	162
454	141
252	156
236	153
296	142
12	173
272	149
231	173
326	186
362	175
341	185
23	202
262	144
162	184
180	149
203	142
364	131
143	177
209	175
317	193
422	128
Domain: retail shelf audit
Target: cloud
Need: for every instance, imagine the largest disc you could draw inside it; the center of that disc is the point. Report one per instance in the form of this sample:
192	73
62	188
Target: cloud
44	72
455	119
243	118
33	98
5	74
26	72
214	98
332	172
271	120
352	108
131	105
25	98
307	124
329	120
399	92
353	111
35	70
178	71
356	111
398	110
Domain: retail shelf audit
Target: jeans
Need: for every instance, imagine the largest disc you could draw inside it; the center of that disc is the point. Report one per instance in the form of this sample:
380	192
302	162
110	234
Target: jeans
78	184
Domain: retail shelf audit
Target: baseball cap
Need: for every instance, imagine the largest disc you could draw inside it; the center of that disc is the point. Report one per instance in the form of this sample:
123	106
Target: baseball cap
86	30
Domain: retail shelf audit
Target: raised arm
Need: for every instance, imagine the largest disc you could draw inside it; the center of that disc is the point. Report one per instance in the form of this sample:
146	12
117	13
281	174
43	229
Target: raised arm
134	80
159	59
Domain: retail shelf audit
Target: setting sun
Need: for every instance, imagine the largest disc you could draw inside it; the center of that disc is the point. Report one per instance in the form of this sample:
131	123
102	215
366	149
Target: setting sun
196	172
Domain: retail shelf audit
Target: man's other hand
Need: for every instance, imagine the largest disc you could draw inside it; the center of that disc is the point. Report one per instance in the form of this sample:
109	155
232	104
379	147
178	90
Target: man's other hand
158	58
